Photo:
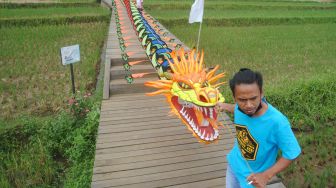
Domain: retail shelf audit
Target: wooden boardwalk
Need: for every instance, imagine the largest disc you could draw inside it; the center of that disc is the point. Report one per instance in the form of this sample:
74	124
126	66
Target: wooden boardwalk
139	145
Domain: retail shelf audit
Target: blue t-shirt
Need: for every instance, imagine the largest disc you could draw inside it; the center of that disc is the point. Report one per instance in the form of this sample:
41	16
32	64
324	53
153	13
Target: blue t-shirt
260	138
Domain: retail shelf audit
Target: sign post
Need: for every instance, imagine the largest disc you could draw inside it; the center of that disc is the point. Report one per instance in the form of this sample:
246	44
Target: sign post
70	55
72	79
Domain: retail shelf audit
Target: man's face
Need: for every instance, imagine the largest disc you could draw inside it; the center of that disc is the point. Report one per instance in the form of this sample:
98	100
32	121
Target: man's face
248	97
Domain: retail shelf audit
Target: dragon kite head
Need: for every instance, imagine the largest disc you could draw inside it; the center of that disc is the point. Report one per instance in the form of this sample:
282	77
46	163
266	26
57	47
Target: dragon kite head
192	92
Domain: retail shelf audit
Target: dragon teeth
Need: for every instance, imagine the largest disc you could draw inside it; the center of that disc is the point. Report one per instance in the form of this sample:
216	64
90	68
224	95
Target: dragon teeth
205	123
211	112
207	138
203	134
212	137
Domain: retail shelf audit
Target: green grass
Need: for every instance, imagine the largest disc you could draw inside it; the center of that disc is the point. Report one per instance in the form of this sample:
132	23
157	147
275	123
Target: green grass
48	1
11	17
54	151
77	1
44	142
50	12
31	71
245	5
217	14
316	166
245	13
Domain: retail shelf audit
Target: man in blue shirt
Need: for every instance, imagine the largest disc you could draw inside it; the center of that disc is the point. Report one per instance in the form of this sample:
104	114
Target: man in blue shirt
261	130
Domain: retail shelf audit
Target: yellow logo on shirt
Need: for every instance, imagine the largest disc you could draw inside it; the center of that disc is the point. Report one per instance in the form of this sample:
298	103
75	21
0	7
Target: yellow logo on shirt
248	146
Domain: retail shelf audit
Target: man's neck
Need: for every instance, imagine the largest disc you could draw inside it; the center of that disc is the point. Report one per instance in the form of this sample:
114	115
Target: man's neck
262	110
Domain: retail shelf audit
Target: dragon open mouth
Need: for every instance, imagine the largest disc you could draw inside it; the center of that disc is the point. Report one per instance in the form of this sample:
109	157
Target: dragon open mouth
200	119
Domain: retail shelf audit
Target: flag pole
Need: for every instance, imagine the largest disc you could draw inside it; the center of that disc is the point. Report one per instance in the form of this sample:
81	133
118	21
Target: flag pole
199	36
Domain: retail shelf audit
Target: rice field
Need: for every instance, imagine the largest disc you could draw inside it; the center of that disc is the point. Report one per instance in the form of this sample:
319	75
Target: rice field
33	80
284	53
262	14
22	13
42	143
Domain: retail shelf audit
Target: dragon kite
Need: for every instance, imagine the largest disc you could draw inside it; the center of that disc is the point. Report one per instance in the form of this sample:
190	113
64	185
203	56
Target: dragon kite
192	93
190	88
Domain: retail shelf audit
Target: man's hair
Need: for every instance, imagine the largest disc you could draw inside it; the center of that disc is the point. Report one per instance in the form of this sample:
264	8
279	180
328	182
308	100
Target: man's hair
246	76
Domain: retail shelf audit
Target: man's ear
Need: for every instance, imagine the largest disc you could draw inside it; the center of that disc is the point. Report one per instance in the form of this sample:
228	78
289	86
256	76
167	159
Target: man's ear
234	98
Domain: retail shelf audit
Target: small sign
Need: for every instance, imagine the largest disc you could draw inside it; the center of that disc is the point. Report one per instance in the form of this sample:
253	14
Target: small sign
70	54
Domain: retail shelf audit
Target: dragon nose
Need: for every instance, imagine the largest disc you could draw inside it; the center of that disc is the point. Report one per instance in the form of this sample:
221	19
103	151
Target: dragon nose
208	96
203	98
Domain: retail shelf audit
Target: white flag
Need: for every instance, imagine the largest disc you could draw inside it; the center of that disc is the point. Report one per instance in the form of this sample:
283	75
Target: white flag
196	12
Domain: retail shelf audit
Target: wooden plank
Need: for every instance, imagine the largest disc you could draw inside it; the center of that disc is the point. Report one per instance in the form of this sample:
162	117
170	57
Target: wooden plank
130	96
133	129
182	179
131	118
121	157
129	115
130	107
276	185
139	101
158	111
104	161
116	142
147	132
216	182
159	151
104	144
139	126
142	136
106	88
156	162
167	179
159	169
108	122
124	136
138	147
155	145
160	132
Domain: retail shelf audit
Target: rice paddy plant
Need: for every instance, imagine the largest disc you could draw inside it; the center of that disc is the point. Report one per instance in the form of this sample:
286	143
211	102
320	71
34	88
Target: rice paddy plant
77	1
33	80
316	167
6	13
48	1
261	14
252	4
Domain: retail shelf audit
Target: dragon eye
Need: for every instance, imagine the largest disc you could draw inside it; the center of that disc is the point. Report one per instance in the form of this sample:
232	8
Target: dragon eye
205	84
184	85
